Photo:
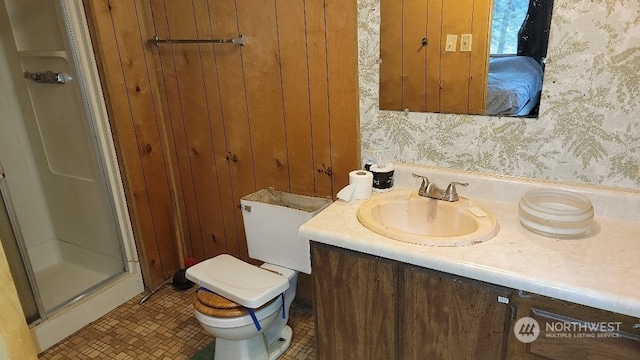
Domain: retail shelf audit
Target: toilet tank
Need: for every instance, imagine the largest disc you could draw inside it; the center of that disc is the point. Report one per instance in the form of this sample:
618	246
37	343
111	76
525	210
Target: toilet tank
271	222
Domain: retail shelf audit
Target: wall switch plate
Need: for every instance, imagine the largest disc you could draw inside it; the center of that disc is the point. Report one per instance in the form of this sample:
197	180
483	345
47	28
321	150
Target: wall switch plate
465	42
452	42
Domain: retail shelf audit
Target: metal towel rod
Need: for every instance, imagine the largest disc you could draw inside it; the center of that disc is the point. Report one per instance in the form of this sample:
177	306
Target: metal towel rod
238	41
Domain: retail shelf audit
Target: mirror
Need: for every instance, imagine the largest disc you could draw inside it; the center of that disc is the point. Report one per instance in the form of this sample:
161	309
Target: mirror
463	57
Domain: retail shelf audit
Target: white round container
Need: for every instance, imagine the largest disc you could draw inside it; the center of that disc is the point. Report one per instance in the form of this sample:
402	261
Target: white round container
556	213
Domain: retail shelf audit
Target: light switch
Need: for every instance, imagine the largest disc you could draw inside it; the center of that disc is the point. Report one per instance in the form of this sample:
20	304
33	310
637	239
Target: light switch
452	42
465	42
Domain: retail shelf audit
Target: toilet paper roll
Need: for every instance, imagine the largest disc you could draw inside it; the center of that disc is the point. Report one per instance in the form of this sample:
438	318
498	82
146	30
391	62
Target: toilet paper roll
382	176
360	186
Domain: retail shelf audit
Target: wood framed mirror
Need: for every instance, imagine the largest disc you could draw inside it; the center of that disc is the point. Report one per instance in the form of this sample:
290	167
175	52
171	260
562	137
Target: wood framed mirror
482	57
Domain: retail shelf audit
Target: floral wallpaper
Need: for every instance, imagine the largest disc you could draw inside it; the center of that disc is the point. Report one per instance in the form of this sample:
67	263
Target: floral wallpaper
588	130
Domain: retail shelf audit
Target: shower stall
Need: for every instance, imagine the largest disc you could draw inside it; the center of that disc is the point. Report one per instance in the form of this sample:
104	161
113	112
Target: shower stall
64	224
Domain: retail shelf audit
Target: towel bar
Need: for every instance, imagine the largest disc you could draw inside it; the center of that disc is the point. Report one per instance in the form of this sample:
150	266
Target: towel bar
238	41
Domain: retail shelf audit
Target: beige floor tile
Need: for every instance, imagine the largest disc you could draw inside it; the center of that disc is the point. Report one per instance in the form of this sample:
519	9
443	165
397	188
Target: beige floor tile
163	328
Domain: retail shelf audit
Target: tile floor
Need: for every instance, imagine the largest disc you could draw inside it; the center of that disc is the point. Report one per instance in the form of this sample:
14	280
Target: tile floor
163	328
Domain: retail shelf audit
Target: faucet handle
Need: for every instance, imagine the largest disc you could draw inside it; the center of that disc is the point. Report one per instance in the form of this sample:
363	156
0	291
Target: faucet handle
424	185
452	193
420	176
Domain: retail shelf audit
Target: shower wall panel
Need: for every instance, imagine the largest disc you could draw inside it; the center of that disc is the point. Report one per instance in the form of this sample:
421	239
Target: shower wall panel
16	155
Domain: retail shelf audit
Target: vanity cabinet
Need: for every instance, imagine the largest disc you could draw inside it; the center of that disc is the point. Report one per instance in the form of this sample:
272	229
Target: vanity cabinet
369	307
569	330
372	308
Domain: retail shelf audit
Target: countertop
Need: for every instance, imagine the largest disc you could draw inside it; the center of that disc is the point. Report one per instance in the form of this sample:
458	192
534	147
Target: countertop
601	270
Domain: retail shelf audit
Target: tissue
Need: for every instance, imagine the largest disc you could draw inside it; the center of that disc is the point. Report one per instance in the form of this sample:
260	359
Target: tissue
360	186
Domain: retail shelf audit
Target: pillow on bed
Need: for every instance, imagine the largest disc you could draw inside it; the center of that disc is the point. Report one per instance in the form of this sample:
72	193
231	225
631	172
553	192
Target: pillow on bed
514	85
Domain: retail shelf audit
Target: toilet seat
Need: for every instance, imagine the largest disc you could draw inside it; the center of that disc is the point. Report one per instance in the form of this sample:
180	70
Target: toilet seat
214	305
270	307
236	280
214	300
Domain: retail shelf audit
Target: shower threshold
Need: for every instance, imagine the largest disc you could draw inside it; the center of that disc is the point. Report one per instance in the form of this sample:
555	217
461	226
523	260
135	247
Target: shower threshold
65	283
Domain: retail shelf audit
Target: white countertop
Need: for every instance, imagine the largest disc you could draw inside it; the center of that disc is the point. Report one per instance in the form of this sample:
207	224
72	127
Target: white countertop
601	270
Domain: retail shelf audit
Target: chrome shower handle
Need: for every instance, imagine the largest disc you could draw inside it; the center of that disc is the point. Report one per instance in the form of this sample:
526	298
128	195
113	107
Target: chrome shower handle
47	77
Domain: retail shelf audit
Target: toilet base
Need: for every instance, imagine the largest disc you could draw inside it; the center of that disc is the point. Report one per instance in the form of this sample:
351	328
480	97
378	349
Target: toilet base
253	348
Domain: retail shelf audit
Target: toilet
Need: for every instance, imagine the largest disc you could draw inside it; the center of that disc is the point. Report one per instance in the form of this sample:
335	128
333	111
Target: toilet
246	307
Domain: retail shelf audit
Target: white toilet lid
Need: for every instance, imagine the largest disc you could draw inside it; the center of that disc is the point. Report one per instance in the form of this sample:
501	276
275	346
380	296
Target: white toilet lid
237	280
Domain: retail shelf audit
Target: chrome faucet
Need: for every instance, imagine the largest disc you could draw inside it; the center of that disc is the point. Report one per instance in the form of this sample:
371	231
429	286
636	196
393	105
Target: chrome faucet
431	190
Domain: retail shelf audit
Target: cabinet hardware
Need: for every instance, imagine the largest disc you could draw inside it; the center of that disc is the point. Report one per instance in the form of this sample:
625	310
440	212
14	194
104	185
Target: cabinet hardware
232	157
524	294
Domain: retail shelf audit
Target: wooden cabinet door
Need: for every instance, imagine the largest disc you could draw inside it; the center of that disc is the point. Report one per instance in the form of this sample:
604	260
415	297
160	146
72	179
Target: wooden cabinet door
447	317
355	304
572	331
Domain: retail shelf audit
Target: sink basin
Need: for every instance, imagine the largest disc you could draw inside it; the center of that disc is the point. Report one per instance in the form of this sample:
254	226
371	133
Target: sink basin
404	215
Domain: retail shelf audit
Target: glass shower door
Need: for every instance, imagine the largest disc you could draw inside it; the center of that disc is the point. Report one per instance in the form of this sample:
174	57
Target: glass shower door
70	234
20	271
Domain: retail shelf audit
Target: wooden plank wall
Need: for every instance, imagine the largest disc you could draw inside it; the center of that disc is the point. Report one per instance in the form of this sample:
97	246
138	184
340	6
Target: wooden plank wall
281	111
136	123
425	77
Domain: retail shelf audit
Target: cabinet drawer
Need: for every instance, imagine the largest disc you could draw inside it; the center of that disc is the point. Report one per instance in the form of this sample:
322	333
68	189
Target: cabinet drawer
562	337
568	330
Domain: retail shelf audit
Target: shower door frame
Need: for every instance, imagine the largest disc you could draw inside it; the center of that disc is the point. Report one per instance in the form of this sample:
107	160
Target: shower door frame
6	201
87	66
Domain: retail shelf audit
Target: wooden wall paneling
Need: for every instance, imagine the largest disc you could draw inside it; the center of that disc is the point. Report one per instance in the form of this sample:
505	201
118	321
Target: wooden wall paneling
153	150
342	66
457	17
479	67
261	66
176	247
162	106
434	50
210	70
134	121
290	22
318	100
391	46
168	75
173	116
414	54
258	110
195	124
293	42
233	99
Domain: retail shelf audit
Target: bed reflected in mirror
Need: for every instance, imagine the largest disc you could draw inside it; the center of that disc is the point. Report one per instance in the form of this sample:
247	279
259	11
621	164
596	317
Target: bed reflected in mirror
465	57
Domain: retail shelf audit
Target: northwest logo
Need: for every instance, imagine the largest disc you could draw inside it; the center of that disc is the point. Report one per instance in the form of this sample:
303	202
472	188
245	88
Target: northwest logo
526	329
